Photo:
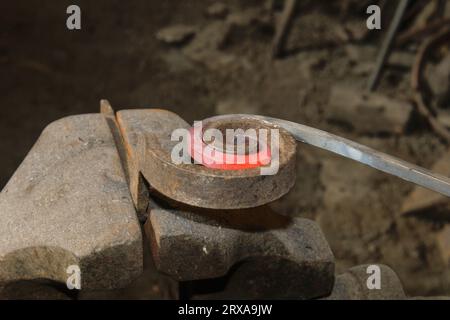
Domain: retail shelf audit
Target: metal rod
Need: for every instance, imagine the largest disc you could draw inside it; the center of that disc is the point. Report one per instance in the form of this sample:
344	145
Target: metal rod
387	45
283	27
363	154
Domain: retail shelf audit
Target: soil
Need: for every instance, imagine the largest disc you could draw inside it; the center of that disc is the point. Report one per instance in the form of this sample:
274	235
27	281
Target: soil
49	72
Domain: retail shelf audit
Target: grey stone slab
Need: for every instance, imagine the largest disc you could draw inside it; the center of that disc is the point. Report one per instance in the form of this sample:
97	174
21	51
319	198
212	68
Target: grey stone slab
352	285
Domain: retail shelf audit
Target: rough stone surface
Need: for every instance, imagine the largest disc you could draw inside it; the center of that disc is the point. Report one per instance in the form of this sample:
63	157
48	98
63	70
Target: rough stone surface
352	285
443	241
444	118
150	285
366	56
217	10
175	35
207	44
246	18
234	105
360	53
367	112
68	204
426	202
403	59
273	256
35	290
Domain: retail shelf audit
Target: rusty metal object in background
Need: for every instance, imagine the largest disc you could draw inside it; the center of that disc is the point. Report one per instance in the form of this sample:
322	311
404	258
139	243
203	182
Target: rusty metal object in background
442	37
421	31
197	185
387	45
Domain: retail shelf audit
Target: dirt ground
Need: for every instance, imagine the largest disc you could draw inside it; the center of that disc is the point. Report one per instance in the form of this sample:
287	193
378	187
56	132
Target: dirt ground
48	72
